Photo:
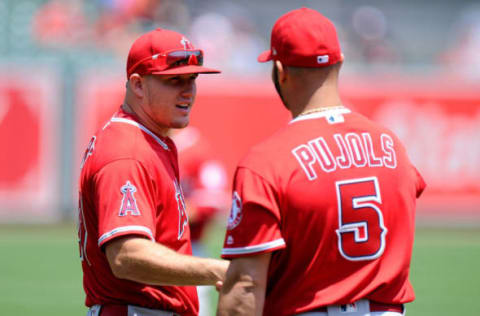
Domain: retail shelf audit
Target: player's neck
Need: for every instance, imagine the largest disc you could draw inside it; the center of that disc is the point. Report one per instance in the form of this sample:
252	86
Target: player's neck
145	120
321	98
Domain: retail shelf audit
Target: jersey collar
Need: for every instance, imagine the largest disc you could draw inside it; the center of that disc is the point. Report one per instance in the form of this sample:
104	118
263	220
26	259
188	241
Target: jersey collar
332	115
124	120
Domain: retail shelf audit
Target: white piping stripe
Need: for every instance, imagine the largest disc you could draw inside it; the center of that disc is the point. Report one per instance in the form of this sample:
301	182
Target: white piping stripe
143	128
253	249
320	114
126	229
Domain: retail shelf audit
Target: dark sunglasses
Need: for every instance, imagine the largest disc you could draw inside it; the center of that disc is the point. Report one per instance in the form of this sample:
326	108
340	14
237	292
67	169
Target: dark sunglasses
178	58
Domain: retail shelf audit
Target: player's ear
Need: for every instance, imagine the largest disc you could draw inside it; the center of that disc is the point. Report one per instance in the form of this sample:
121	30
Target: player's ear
281	71
136	84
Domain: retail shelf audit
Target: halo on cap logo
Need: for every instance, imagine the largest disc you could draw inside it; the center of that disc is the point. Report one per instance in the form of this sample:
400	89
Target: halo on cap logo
236	212
186	43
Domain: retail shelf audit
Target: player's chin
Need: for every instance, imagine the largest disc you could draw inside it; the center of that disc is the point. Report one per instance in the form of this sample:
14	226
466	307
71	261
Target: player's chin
180	122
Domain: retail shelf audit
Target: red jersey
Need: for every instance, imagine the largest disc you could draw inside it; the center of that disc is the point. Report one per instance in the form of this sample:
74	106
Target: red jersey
129	186
333	196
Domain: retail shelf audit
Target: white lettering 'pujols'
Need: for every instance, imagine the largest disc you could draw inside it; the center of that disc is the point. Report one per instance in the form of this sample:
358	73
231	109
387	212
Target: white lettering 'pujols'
354	150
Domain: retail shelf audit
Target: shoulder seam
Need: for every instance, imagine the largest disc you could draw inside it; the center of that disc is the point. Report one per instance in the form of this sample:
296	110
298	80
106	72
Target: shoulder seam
118	159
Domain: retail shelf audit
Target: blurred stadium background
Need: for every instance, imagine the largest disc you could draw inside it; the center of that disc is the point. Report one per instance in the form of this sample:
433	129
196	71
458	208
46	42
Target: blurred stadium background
413	65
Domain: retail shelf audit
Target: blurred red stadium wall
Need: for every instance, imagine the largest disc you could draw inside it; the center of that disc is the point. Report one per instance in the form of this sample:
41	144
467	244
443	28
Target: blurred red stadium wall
438	121
30	144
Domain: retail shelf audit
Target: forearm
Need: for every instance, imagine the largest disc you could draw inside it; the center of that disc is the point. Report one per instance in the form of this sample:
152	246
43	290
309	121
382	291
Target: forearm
243	292
240	298
143	261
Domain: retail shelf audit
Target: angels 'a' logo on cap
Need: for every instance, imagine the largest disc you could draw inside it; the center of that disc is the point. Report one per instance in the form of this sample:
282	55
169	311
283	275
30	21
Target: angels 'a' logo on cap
129	204
236	212
186	43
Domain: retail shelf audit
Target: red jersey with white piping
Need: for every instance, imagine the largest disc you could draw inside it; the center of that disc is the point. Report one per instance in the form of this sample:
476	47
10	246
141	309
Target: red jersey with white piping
129	186
333	196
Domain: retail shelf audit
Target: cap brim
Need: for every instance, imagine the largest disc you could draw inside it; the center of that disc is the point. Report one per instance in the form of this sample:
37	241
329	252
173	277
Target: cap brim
189	69
265	56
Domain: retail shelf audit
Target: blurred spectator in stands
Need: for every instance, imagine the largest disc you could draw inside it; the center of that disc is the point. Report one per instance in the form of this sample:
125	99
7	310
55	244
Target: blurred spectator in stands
463	55
116	25
60	24
229	38
373	42
173	14
108	24
203	180
121	21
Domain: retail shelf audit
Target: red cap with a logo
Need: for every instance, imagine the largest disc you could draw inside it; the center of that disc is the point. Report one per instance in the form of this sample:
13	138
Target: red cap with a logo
165	52
303	38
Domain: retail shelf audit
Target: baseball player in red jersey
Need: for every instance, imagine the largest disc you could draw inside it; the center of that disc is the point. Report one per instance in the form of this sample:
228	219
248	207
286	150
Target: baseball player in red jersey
203	180
134	236
322	218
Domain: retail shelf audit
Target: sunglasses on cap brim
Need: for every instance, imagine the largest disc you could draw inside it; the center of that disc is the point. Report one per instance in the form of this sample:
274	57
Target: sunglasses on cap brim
172	59
182	57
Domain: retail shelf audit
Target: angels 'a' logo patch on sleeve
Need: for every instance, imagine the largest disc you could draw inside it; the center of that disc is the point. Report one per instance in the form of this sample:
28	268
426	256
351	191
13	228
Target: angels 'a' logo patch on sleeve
129	204
236	213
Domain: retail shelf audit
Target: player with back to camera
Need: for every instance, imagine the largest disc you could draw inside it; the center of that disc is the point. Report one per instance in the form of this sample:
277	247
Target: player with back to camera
323	212
134	234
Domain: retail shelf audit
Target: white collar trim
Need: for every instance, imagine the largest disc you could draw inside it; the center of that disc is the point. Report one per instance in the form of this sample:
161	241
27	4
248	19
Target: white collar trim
326	114
140	126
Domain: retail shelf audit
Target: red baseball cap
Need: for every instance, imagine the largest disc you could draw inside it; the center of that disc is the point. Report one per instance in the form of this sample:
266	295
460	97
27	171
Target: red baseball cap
303	38
165	52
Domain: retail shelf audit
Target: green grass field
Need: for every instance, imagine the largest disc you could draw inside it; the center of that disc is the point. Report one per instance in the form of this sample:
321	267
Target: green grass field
40	272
